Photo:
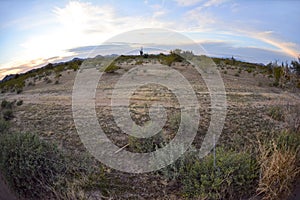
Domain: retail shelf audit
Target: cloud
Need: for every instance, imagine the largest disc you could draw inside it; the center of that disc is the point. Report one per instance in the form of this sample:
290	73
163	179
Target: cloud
249	54
188	2
198	20
79	24
289	48
21	68
201	20
214	3
204	3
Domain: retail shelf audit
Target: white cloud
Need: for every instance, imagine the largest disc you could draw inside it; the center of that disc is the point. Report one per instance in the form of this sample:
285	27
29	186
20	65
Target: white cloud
81	24
207	3
188	2
214	3
198	20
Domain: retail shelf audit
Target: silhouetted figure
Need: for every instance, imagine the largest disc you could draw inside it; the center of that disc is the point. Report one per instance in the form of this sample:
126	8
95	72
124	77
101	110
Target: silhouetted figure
141	51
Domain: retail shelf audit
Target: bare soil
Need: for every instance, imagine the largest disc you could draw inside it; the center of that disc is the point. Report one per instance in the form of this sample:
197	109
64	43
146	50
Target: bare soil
47	111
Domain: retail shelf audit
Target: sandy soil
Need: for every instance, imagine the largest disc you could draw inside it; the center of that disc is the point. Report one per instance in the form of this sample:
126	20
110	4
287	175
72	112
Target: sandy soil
47	111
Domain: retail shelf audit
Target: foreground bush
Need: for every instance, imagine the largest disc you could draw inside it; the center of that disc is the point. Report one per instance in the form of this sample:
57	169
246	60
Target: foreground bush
278	161
30	165
170	59
8	115
6	104
234	175
111	68
276	113
4	126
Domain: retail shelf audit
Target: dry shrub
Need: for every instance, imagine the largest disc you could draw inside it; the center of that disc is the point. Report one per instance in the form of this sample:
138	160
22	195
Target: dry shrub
292	117
73	189
278	171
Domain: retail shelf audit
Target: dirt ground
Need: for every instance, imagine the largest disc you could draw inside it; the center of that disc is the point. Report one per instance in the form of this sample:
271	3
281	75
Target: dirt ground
47	111
5	192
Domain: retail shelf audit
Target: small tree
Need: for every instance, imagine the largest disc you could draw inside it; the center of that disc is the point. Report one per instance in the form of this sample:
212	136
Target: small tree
295	66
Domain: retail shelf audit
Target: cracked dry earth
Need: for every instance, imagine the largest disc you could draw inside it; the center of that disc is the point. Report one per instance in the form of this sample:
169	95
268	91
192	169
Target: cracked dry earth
47	111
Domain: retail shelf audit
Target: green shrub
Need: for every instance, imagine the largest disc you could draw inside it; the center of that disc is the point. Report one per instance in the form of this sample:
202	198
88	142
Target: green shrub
19	90
175	120
169	59
30	165
172	171
47	80
4	126
6	104
278	73
144	145
249	70
276	113
139	62
19	103
234	176
288	140
31	84
57	75
8	114
111	68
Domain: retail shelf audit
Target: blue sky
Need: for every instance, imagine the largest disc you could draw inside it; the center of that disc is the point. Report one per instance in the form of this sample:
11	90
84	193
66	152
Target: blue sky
35	32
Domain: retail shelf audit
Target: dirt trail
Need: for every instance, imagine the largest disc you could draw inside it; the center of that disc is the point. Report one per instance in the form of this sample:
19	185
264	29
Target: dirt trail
5	192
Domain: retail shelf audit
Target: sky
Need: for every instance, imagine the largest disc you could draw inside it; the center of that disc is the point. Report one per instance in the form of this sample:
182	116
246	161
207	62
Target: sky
36	32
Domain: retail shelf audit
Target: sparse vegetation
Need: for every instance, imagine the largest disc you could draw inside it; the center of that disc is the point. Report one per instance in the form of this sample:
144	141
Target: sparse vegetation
111	68
8	114
19	103
6	104
36	169
231	175
30	165
4	126
144	145
278	161
243	166
295	66
169	59
276	113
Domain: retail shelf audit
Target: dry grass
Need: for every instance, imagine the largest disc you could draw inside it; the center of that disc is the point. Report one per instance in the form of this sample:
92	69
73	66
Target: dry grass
73	190
80	187
292	117
278	171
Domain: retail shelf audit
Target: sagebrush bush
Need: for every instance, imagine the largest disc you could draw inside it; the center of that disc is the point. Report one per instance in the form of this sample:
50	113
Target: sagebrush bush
288	140
19	103
169	59
111	68
19	90
276	113
4	126
143	145
30	165
8	114
235	175
6	104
